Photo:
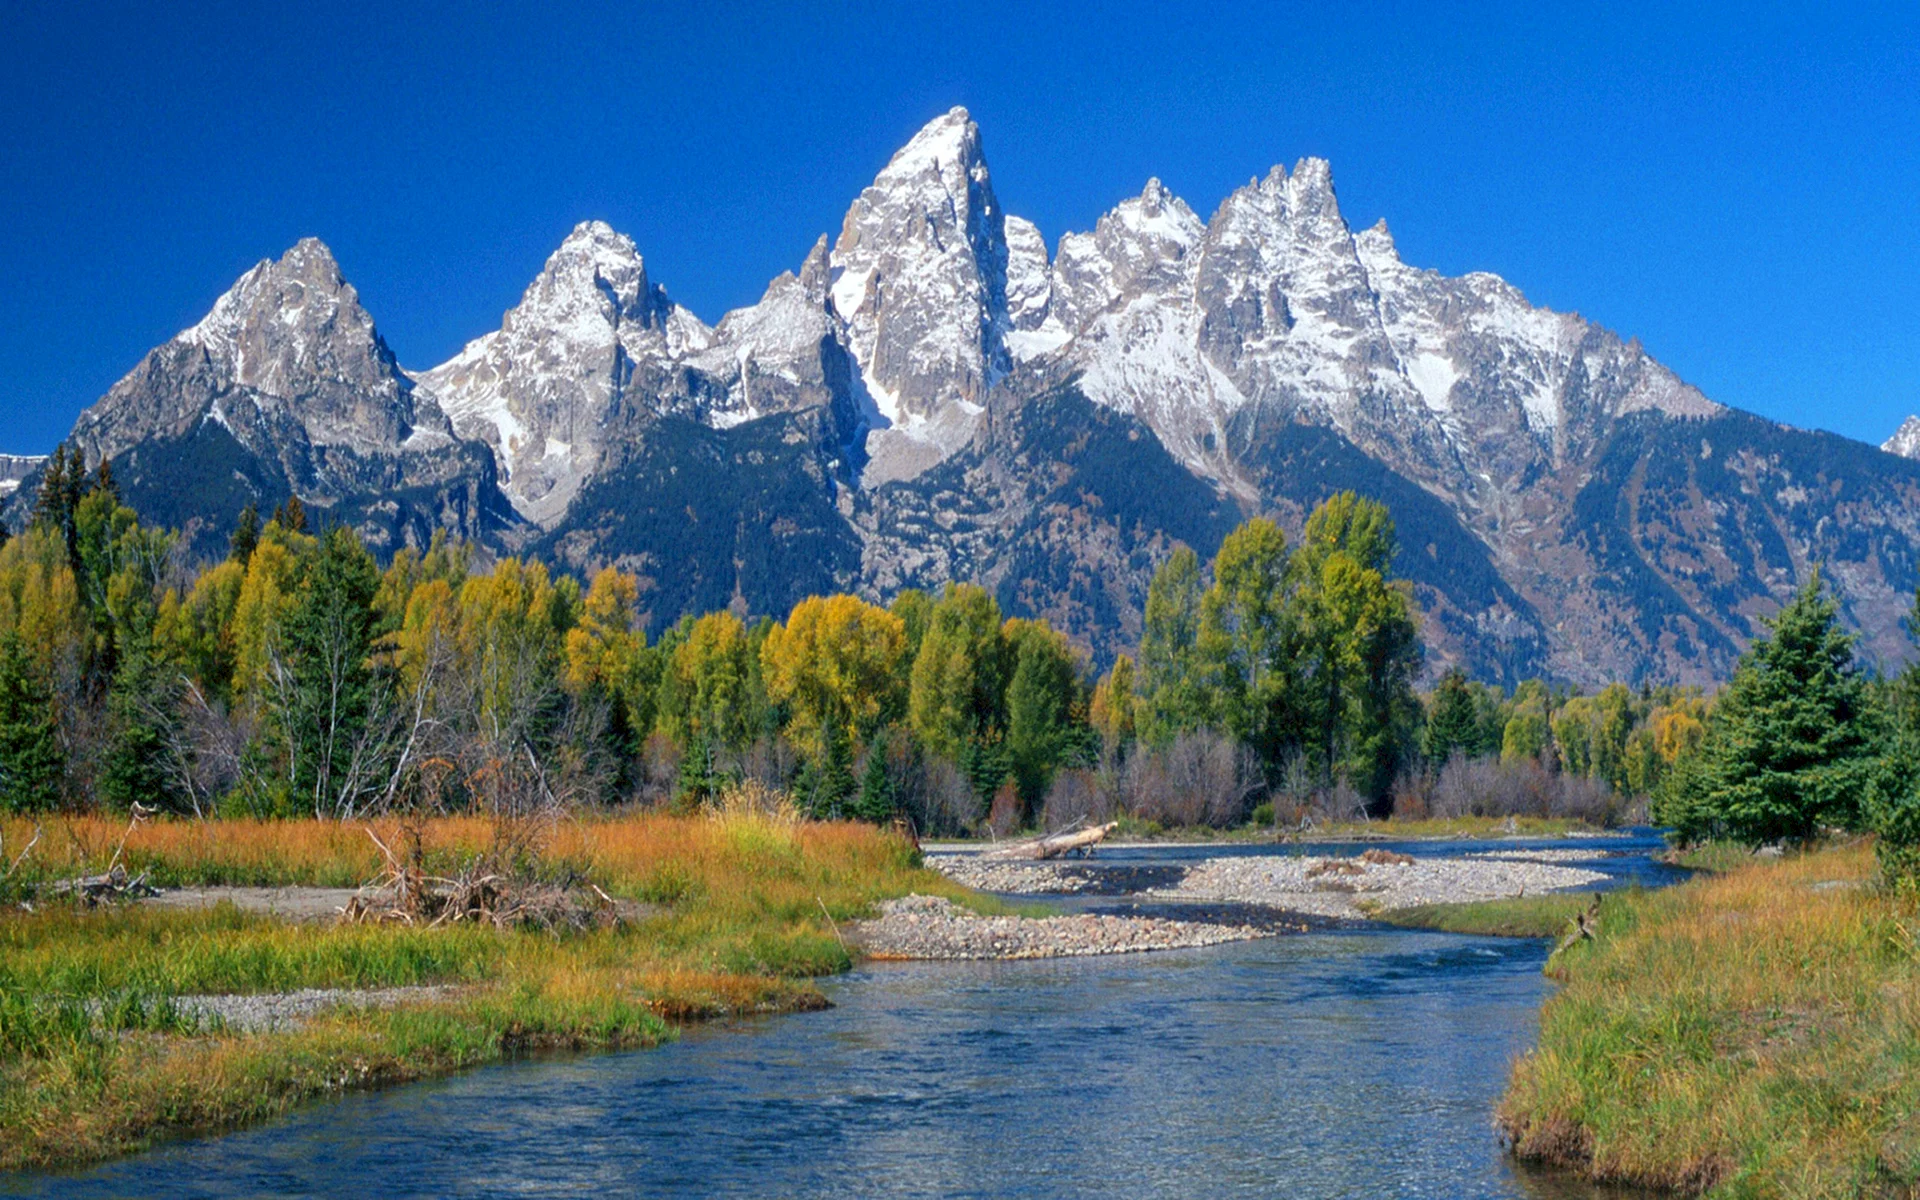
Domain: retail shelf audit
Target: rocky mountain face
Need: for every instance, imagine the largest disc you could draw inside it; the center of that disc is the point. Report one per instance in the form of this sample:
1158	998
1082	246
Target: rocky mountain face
934	396
286	388
1905	440
16	467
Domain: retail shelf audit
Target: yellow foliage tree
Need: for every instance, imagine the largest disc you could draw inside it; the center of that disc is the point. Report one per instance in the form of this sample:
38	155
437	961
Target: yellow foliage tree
837	662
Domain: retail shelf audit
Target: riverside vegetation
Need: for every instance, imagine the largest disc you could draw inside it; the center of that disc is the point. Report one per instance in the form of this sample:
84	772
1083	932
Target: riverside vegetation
1756	1032
97	1057
273	706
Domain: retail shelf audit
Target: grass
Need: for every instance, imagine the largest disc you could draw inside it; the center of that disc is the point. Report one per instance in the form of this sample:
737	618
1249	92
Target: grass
1523	916
1753	1033
95	1061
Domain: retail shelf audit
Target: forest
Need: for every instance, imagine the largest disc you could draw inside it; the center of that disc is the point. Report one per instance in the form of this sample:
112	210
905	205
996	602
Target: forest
300	677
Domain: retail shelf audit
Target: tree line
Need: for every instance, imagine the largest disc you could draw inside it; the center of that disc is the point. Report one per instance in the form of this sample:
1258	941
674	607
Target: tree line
298	676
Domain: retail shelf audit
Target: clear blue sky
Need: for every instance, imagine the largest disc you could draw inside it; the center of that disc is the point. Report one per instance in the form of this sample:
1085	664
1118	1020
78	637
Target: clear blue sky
1738	189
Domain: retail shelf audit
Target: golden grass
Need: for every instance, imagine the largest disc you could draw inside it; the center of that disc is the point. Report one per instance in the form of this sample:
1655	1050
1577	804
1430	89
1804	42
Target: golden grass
1754	1033
747	907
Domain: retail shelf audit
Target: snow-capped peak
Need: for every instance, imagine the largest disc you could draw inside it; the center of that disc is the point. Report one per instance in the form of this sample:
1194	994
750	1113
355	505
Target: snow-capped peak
1905	440
920	281
947	142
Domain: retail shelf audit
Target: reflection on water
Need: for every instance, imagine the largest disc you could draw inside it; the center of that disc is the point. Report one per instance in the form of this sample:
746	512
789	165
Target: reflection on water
1341	1064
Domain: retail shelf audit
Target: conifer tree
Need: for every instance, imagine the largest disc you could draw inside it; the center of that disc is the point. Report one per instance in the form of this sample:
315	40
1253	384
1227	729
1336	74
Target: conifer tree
246	534
879	799
31	763
1454	725
1792	741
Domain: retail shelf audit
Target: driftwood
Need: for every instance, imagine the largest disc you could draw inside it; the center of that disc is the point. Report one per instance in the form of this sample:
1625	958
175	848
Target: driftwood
100	889
1584	925
406	894
1053	845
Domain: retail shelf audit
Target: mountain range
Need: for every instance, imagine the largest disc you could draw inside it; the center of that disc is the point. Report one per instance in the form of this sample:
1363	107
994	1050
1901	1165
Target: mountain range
932	395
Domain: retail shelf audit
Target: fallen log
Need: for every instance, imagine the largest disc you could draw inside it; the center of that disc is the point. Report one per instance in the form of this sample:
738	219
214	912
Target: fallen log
1082	841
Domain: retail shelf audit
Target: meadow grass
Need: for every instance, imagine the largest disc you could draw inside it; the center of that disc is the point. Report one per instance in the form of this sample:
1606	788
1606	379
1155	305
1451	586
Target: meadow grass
1521	916
96	1061
1754	1033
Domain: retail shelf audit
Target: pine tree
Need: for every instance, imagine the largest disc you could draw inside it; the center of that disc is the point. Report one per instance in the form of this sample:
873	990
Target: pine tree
246	535
291	516
328	684
62	486
142	706
1792	742
31	763
879	798
1454	725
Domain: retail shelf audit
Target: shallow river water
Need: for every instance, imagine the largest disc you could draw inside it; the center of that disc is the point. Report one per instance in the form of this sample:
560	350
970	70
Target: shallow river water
1350	1063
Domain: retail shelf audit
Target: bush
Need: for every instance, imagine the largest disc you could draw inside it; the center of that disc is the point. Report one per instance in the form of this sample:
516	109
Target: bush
1199	779
1489	787
1078	797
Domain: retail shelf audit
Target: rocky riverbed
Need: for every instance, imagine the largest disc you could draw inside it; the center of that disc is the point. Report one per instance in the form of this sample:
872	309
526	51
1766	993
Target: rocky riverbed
1352	887
931	927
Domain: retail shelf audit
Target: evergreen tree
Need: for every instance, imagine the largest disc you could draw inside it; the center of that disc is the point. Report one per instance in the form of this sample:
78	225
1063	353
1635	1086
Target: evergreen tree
291	515
1792	741
246	534
327	686
142	707
63	484
879	799
1453	726
31	763
827	783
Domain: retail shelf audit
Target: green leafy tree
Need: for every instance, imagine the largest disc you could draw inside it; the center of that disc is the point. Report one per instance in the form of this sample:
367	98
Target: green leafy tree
1045	715
1359	646
1245	648
1173	694
958	687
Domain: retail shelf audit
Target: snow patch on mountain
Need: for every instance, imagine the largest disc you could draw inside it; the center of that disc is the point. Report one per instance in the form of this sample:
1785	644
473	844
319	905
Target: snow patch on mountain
1905	440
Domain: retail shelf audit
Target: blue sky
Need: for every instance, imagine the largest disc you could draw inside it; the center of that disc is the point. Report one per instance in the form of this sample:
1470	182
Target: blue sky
1736	187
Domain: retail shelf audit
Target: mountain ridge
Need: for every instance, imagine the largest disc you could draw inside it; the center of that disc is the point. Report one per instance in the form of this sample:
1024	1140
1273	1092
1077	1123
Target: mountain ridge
904	389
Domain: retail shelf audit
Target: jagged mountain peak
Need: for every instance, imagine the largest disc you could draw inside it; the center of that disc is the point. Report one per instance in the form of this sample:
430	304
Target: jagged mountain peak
920	283
1905	440
591	284
280	290
949	141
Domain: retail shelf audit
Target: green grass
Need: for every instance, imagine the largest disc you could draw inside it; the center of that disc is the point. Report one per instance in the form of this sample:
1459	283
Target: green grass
1522	917
1754	1033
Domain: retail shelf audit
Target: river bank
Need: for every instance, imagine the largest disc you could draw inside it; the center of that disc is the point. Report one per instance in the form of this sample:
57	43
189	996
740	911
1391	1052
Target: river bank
1751	1033
137	1022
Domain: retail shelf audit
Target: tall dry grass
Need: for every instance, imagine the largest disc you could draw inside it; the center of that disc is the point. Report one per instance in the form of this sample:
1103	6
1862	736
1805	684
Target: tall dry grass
746	901
1755	1033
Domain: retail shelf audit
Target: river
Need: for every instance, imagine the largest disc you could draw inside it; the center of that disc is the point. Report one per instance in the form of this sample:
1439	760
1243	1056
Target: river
1353	1062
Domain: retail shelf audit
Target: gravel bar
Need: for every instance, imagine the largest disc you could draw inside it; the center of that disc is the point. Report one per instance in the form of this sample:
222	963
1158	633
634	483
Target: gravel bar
270	1012
1352	888
932	927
